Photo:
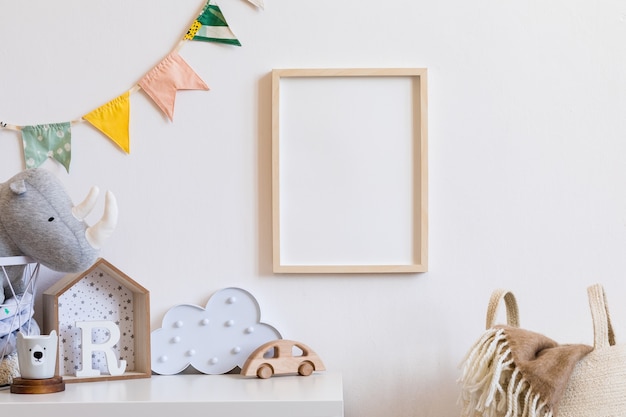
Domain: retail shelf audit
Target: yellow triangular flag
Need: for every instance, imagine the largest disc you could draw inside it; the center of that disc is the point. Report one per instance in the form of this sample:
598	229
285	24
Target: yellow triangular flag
112	119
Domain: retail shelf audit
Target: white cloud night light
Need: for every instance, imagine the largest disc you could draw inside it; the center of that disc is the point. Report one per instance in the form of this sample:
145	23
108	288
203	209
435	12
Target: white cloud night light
214	339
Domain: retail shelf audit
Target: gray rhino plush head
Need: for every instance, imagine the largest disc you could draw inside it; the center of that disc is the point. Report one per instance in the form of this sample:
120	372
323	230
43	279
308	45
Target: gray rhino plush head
39	220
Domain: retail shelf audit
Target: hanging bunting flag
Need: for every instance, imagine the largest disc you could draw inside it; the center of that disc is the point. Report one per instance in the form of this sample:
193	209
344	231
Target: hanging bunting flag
211	26
112	119
257	3
47	141
170	75
160	84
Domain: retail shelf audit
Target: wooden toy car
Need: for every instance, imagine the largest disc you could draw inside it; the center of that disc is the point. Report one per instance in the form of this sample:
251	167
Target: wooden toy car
282	357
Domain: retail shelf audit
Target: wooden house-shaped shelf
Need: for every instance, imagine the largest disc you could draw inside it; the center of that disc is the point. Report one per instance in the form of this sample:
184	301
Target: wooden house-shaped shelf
102	292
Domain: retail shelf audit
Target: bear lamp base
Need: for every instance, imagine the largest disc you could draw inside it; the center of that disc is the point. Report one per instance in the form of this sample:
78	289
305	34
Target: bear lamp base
37	386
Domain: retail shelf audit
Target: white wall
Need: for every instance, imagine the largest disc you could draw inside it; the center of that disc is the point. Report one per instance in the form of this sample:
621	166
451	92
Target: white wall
527	141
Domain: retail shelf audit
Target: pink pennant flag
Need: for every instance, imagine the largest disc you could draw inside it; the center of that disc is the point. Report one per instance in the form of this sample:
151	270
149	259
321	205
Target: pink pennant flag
170	75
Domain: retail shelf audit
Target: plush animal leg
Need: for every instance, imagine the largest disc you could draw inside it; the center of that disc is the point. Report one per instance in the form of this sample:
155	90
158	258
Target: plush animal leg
9	369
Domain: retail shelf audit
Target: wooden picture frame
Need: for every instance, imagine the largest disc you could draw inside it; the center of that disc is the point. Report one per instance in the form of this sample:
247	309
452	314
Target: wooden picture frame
349	170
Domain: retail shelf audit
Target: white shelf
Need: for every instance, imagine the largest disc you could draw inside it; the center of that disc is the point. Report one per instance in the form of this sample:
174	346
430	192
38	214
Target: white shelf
317	395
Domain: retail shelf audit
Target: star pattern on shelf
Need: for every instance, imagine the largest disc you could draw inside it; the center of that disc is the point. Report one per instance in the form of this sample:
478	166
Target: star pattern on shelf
97	296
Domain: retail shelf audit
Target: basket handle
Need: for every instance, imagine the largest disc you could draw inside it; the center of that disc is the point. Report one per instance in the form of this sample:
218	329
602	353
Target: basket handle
512	311
603	335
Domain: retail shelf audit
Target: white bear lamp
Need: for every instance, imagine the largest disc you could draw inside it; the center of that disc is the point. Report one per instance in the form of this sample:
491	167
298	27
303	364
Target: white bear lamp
37	356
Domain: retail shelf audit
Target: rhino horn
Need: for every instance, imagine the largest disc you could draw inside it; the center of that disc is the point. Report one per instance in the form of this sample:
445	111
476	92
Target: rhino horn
99	232
80	211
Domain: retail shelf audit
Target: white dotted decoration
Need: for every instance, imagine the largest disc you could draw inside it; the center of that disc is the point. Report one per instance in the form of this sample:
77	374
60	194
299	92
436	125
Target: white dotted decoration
215	339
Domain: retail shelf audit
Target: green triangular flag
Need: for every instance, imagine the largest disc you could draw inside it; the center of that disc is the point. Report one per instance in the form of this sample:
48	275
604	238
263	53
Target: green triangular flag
211	26
52	140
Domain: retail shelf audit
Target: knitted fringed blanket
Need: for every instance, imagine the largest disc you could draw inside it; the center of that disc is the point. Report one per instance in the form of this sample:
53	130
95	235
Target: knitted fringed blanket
511	372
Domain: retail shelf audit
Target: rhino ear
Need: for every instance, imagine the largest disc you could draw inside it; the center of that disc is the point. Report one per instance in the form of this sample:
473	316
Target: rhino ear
18	187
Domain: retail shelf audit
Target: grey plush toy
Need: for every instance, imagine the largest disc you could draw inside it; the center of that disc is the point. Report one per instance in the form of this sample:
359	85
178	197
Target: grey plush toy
39	220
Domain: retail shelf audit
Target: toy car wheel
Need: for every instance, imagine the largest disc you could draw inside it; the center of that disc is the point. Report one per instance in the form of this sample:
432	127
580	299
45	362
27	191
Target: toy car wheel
305	368
265	371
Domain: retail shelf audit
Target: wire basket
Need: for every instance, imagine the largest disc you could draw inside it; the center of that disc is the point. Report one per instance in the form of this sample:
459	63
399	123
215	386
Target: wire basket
16	314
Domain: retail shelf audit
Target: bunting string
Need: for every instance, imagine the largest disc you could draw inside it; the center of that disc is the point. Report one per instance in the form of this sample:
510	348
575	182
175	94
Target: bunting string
112	119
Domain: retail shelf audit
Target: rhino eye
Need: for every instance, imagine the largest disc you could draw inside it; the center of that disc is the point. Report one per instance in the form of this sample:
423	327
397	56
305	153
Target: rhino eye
51	219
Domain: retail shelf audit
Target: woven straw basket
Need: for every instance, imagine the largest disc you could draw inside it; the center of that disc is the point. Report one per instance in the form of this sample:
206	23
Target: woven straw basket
597	387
